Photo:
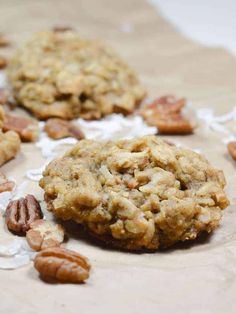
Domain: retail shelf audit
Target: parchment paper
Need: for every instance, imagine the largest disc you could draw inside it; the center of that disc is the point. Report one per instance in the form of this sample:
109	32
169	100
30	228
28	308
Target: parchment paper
198	278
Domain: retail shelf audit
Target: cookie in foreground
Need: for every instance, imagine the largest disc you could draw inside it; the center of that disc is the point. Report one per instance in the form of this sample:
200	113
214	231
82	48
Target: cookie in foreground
59	74
136	194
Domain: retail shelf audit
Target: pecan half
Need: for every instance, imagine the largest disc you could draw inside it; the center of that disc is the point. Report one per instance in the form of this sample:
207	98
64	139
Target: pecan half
58	128
62	28
5	185
44	234
9	145
62	265
21	213
27	128
3	62
2	116
4	41
232	149
3	96
166	114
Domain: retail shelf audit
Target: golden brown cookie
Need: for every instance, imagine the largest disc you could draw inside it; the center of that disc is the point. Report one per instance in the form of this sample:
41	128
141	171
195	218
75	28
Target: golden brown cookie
9	146
136	194
9	142
59	74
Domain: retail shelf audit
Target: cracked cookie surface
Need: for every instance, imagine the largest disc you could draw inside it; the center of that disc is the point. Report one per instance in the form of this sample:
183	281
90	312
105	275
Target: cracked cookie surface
136	194
59	74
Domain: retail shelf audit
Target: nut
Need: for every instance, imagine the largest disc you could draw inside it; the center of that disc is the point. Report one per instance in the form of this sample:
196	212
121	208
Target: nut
62	28
4	42
232	149
62	265
3	96
58	128
21	213
25	127
44	234
165	113
2	116
5	185
3	62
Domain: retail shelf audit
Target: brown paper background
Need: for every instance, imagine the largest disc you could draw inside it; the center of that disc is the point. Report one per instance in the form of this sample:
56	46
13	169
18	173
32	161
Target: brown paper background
197	278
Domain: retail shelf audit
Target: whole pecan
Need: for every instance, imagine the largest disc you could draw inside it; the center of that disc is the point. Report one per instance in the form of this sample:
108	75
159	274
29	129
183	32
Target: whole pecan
58	128
3	96
4	41
27	128
44	234
61	265
21	213
232	149
62	28
3	62
166	114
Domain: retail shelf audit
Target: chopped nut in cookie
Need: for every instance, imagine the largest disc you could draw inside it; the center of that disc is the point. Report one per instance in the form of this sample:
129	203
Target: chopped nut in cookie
5	184
44	234
58	128
21	213
27	128
62	265
3	62
165	113
232	149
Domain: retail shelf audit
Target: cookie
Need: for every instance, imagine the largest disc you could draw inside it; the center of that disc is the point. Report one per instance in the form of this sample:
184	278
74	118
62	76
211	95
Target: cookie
59	74
136	194
9	142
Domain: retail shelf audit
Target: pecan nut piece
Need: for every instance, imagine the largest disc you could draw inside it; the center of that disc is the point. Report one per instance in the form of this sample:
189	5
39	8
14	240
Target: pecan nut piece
62	265
4	41
5	185
58	128
3	96
21	213
62	28
27	128
2	114
166	114
232	149
44	234
3	62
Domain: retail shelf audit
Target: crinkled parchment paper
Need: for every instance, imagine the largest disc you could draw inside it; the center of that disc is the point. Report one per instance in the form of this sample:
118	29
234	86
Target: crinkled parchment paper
194	278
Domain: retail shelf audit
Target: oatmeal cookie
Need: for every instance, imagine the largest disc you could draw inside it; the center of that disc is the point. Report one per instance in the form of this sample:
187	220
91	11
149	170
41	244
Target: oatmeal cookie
9	142
9	146
59	74
136	194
